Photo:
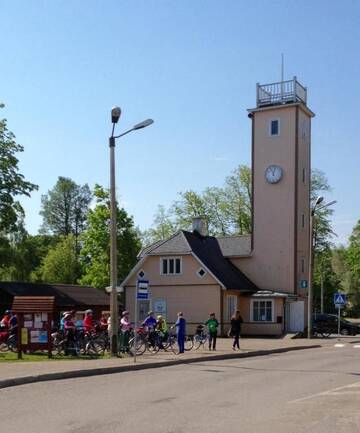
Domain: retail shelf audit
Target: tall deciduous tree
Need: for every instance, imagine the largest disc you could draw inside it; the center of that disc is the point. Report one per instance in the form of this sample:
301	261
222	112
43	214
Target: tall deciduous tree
238	195
61	265
65	208
95	252
12	183
163	227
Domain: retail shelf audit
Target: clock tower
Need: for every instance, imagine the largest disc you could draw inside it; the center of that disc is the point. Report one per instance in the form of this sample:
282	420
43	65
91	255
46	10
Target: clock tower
281	173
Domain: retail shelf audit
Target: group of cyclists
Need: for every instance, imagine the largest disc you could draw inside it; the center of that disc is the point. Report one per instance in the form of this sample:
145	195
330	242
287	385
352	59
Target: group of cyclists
154	327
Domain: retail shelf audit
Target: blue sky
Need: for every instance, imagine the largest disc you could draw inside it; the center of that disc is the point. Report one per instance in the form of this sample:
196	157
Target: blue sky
191	66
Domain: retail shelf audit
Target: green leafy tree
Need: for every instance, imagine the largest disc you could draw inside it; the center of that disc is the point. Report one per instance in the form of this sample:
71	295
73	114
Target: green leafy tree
325	278
95	252
163	227
61	265
12	183
64	208
239	198
227	209
351	278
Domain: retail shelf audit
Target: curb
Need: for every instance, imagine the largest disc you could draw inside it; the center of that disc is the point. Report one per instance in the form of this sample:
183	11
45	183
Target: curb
6	383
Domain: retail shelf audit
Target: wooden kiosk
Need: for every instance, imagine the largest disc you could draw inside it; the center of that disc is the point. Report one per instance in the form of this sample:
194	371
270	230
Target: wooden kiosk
35	316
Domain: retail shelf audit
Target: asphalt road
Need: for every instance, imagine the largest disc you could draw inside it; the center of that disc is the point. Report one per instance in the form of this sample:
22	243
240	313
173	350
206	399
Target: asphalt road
312	391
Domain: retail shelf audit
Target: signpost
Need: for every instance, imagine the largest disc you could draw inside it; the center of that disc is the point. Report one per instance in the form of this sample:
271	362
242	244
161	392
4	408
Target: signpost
141	292
340	302
303	284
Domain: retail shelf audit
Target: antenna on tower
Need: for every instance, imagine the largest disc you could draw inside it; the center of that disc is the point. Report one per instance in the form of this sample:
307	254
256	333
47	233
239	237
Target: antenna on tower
282	77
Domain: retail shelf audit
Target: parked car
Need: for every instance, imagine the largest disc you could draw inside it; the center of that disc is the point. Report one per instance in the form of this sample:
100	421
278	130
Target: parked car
328	324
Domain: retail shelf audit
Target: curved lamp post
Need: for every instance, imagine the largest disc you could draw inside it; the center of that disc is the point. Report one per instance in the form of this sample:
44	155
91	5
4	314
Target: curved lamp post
115	116
311	255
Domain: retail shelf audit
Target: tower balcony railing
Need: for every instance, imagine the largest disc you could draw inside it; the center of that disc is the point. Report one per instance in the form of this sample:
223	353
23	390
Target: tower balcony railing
283	92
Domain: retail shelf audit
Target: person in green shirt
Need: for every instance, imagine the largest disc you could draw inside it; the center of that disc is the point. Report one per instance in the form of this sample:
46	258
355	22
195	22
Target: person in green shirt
212	325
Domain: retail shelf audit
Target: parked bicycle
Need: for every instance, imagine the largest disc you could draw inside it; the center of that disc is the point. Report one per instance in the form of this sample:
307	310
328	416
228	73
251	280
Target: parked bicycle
201	337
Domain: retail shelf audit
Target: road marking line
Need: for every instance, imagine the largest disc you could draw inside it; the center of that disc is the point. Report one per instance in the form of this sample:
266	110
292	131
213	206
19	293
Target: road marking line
356	346
339	345
328	392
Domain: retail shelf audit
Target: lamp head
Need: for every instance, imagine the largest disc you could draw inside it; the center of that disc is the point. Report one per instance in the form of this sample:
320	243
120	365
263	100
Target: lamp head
143	124
319	200
115	114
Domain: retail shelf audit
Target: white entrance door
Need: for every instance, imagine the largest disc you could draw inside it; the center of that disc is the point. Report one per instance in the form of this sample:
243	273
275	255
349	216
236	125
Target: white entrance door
296	319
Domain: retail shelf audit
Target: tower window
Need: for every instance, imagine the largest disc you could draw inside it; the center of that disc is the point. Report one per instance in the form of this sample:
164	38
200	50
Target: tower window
302	265
274	127
303	220
303	175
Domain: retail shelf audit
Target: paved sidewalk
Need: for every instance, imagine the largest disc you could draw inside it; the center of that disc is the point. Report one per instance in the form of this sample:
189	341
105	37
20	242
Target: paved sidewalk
16	373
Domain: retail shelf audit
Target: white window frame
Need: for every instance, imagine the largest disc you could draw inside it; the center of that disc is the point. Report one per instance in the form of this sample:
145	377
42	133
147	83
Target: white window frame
198	272
168	273
302	264
269	131
252	310
228	314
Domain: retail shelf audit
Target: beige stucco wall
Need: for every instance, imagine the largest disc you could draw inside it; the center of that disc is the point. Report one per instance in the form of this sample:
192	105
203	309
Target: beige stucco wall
190	266
304	143
255	328
196	302
196	297
272	265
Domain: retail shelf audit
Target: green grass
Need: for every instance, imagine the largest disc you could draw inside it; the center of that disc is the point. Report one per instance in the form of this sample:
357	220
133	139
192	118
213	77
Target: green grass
39	356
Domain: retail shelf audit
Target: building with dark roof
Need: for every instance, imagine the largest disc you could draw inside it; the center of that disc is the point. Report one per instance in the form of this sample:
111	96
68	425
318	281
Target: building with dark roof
264	275
67	296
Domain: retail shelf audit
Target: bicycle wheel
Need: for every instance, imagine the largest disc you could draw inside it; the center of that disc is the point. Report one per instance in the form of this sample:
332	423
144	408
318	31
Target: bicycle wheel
91	349
174	345
3	347
189	343
199	340
100	345
140	346
12	343
152	345
58	347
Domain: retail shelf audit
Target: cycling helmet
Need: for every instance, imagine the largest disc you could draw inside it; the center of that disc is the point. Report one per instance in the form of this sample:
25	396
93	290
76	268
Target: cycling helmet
159	317
125	313
7	312
67	315
88	311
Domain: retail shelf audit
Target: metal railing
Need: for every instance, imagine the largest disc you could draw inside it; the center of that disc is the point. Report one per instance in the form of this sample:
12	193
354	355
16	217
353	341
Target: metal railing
283	92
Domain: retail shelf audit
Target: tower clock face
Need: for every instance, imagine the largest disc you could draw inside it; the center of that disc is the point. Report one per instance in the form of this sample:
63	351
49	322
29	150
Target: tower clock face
274	173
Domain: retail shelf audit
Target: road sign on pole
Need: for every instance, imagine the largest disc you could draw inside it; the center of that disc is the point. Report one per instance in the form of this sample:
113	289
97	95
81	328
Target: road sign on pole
141	292
340	299
142	289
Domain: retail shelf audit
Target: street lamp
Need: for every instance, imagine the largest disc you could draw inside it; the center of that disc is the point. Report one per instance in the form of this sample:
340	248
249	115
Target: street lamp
115	116
311	254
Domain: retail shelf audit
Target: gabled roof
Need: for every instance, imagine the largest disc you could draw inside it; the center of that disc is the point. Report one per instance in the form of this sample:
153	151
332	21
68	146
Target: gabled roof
235	246
148	248
207	249
65	295
175	244
211	252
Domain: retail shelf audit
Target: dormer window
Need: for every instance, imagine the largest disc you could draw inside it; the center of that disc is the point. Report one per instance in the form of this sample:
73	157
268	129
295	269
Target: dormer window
274	127
170	266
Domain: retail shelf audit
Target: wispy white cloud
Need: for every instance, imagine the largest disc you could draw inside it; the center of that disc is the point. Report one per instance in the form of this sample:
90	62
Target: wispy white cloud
219	158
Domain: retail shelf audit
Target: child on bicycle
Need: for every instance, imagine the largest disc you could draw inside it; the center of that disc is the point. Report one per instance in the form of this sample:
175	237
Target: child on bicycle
212	324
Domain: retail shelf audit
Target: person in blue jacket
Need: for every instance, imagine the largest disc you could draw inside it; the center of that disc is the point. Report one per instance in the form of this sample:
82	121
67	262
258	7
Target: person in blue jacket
181	331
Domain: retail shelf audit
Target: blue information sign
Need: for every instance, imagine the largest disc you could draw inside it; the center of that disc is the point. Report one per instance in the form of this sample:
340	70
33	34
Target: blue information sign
142	289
